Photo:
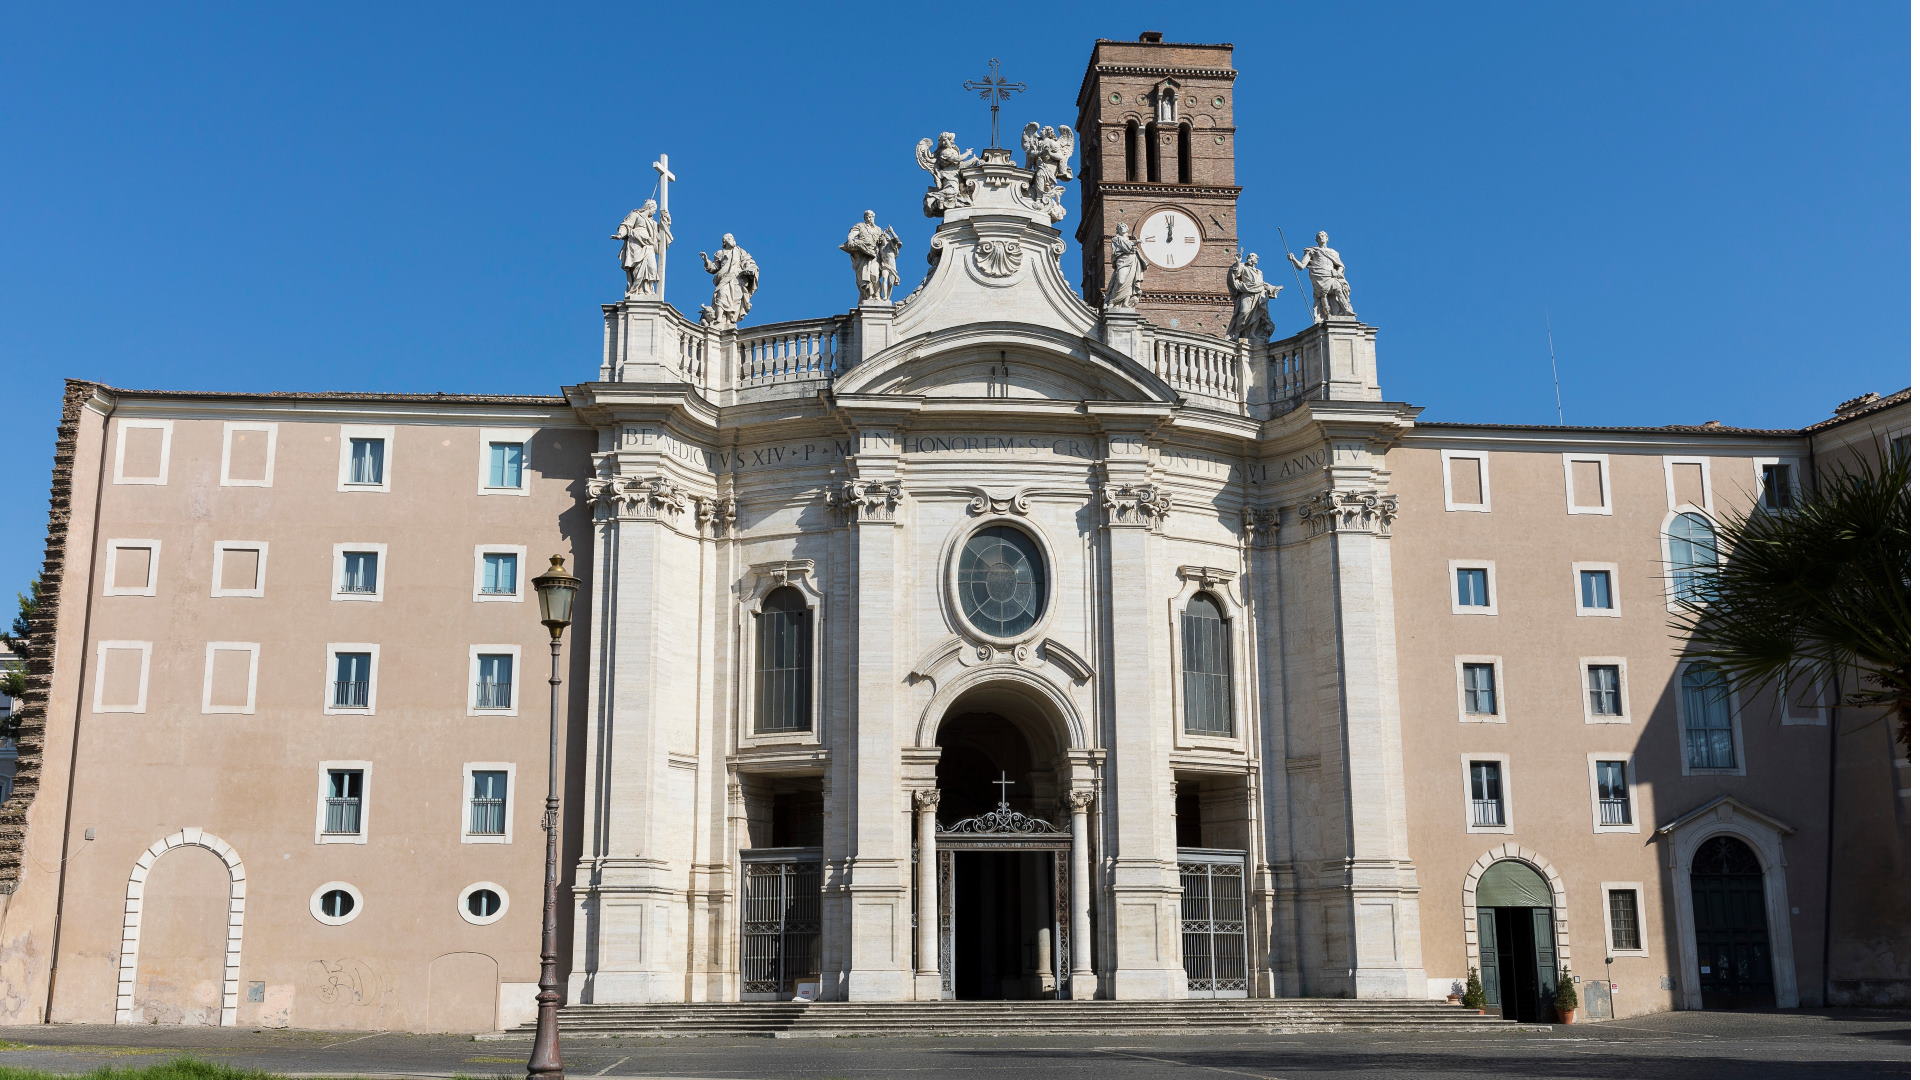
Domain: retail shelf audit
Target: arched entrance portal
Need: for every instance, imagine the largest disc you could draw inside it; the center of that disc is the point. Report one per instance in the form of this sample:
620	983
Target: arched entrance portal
1730	926
1005	855
1516	940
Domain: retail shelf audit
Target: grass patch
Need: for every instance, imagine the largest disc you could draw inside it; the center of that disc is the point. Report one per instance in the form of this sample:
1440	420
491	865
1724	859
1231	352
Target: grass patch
184	1068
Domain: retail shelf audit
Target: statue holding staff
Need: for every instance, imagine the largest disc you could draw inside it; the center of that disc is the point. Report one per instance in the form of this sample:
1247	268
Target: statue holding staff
643	242
1331	294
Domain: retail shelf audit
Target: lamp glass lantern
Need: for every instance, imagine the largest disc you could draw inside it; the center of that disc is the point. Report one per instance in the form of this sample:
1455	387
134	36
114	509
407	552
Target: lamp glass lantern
556	589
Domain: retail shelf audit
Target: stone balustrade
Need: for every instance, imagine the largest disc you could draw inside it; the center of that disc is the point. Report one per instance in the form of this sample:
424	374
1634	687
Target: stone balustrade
1200	365
789	351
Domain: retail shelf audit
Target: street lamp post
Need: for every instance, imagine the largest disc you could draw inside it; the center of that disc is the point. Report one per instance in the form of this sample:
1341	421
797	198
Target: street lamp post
556	589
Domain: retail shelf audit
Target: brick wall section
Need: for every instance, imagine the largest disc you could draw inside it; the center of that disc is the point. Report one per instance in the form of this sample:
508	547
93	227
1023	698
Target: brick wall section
33	707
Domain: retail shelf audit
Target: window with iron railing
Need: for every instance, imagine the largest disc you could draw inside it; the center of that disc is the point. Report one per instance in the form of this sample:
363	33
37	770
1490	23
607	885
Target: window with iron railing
487	809
360	572
343	802
494	687
500	573
1706	709
1610	781
352	680
1488	794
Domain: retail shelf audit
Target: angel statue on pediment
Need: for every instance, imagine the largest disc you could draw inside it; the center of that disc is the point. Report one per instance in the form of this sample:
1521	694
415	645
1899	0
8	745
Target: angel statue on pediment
1049	152
944	160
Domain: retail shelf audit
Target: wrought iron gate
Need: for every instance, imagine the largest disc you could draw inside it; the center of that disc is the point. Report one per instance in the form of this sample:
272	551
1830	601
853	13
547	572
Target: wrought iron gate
779	922
1006	829
1213	922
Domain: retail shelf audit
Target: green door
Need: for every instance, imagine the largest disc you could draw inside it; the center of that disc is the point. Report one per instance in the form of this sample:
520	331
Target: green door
1547	978
1490	958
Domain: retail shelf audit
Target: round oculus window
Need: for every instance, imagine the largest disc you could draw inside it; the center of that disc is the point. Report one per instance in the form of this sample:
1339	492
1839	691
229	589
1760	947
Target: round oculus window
1003	581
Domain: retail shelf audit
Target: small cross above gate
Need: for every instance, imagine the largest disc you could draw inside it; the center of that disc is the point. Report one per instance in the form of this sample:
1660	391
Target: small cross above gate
1003	784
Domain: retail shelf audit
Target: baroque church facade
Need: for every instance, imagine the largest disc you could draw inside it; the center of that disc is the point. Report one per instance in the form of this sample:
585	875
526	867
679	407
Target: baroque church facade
1001	641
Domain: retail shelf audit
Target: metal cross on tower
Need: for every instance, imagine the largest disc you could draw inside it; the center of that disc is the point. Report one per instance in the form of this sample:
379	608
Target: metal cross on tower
1003	784
994	90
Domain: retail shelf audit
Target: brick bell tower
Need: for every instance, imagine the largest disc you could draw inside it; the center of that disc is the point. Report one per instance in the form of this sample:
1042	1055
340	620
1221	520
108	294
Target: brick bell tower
1156	145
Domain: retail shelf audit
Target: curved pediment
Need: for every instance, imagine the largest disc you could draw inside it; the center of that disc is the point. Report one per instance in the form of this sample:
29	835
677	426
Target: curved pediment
1005	360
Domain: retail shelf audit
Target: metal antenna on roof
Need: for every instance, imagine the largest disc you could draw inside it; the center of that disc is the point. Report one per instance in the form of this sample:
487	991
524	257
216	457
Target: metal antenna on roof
1555	363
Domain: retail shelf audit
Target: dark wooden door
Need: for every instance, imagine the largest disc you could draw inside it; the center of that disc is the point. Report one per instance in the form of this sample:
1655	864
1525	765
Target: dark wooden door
1730	926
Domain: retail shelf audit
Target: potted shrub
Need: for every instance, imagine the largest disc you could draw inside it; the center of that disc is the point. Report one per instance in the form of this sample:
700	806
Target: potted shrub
1475	997
1454	992
1565	998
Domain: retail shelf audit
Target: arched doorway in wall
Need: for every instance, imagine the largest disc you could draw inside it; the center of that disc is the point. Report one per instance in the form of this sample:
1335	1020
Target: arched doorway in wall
1003	850
1730	926
1514	907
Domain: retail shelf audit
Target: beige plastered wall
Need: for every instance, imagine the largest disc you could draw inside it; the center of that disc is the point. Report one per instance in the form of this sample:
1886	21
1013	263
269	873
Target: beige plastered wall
1533	543
245	786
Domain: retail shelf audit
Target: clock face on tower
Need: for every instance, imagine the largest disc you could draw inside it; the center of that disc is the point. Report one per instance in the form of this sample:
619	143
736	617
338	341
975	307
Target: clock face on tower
1170	239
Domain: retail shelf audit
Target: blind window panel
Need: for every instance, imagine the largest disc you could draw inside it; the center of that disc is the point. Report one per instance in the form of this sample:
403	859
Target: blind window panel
1478	682
500	573
367	463
1206	654
505	462
1603	689
784	664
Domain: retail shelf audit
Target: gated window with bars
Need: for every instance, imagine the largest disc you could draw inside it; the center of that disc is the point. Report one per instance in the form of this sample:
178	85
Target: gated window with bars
1213	922
1623	918
779	922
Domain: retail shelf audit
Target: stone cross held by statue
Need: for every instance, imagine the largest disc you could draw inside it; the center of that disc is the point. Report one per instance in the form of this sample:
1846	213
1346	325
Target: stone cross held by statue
1003	784
994	89
666	178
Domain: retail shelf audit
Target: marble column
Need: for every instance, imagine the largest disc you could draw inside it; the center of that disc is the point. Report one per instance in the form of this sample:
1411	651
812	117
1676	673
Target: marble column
926	910
1084	981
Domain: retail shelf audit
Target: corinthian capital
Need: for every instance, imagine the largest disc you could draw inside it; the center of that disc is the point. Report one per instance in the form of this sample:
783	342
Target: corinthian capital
927	799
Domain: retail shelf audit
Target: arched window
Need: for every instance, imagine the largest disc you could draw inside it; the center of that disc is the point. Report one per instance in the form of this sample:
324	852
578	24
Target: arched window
1186	152
1133	150
783	665
1206	662
1691	554
1706	708
1153	152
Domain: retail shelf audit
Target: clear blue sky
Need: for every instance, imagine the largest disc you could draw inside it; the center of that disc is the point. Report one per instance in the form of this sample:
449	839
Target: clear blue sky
1711	197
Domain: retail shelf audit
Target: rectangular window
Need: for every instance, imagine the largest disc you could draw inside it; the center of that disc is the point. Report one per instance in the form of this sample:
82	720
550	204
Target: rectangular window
1776	486
487	806
1470	587
1610	783
1596	590
504	462
1623	920
366	461
352	680
360	572
1488	794
344	801
500	573
493	685
1478	686
1603	690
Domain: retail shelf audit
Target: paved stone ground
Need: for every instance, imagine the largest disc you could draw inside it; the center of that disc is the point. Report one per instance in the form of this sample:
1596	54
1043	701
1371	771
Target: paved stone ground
1667	1046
